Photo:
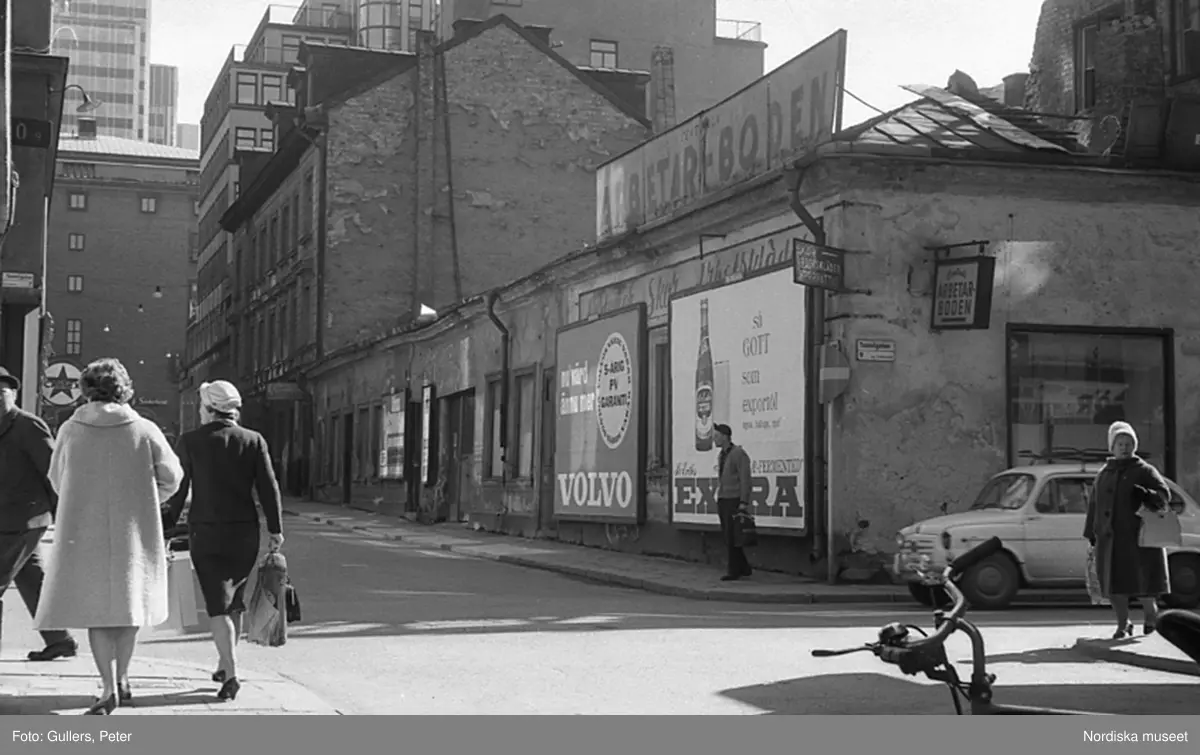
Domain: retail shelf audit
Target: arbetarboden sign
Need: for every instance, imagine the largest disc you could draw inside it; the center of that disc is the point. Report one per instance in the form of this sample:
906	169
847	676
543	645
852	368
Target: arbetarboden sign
599	460
756	130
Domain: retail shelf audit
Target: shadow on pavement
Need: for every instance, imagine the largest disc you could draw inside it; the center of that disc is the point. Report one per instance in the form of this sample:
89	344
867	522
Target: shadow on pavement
879	694
57	705
1039	656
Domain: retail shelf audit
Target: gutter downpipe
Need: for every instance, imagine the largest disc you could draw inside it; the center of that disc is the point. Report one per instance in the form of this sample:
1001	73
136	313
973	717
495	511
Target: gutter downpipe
504	339
814	307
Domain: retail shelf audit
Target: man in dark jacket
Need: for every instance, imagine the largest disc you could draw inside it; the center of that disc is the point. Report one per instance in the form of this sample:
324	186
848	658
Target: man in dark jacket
27	505
733	495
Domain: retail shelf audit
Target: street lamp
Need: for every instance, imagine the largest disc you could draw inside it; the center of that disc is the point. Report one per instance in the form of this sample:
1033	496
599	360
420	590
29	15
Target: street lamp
89	103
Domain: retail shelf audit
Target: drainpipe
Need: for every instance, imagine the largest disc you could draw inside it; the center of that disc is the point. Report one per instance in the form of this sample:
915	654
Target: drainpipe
322	233
814	306
504	337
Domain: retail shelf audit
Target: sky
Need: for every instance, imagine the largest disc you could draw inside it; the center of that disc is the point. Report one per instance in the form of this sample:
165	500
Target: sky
890	42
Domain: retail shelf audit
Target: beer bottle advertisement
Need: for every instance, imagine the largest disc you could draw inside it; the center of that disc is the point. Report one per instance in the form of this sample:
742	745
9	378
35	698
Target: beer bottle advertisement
746	340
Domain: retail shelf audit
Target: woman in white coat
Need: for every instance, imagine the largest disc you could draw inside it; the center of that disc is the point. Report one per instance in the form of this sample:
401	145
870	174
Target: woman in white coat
111	468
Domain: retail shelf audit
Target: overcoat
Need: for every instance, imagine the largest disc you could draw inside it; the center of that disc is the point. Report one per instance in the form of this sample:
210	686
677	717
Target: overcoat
1122	566
111	468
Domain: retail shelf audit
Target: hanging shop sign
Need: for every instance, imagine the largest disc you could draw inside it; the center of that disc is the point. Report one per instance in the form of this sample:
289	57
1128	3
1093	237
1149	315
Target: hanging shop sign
599	459
818	266
962	293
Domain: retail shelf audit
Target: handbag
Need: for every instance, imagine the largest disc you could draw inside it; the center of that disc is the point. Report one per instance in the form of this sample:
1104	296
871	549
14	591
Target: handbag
1160	529
1095	593
745	532
292	600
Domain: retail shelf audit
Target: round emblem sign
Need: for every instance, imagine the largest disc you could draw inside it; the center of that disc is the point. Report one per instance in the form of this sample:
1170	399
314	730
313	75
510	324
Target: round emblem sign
614	390
61	384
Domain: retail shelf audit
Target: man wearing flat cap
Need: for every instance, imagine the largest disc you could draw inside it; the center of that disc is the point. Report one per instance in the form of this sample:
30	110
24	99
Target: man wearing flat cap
27	506
733	495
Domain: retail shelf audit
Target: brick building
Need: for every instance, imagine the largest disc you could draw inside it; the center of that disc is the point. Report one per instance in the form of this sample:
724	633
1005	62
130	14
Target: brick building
405	181
121	254
1120	72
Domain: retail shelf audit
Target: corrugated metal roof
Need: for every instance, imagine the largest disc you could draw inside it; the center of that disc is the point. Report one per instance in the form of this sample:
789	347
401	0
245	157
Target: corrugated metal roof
117	147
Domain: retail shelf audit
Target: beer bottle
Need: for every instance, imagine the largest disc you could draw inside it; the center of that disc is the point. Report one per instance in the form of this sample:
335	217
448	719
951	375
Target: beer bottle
704	385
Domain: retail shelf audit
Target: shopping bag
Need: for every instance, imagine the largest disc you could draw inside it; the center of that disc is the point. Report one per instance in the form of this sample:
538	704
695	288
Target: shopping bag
185	602
266	615
1160	529
292	599
1093	580
745	532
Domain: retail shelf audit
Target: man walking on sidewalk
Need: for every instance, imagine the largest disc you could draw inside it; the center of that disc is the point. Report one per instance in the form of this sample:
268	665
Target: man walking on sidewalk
733	495
27	504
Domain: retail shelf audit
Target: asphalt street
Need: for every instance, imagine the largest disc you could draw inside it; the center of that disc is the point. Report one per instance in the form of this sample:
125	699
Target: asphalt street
391	628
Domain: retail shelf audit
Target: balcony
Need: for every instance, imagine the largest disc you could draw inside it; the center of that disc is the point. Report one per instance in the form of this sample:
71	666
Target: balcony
746	31
263	55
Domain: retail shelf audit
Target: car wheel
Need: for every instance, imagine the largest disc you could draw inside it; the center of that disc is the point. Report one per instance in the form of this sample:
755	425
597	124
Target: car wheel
1185	581
928	596
992	583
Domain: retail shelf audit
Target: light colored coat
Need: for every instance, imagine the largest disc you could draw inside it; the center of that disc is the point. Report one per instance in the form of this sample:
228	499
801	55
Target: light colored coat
108	568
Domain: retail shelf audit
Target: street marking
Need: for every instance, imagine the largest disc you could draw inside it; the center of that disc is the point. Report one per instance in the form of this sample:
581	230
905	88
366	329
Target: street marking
590	620
433	626
444	554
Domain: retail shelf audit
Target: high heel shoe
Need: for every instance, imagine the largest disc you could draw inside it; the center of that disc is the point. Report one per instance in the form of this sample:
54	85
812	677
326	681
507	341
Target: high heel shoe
124	693
1148	628
1123	632
229	690
218	676
103	707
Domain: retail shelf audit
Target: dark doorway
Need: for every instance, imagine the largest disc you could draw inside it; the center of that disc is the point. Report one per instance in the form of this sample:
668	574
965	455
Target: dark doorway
458	450
347	456
549	415
412	456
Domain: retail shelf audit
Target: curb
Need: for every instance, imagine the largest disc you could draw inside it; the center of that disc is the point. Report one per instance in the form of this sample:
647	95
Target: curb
1097	650
661	588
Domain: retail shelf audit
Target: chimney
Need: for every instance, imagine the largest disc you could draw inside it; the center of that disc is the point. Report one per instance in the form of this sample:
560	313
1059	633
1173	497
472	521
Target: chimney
662	88
87	128
1014	89
541	32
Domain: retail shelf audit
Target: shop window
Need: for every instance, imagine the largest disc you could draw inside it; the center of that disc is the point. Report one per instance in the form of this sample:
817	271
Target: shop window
1085	66
524	414
376	440
1066	386
1186	39
494	454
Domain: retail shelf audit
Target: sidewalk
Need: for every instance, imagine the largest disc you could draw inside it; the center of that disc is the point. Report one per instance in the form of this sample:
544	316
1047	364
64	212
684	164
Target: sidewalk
1151	652
160	687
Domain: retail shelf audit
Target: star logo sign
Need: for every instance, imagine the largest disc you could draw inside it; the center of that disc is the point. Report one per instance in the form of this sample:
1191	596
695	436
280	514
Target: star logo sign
61	384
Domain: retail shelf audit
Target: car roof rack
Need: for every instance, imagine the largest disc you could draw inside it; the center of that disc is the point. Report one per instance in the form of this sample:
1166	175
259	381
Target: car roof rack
1067	455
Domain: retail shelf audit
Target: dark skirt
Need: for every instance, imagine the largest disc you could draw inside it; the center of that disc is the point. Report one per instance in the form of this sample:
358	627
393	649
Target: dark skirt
223	556
1134	571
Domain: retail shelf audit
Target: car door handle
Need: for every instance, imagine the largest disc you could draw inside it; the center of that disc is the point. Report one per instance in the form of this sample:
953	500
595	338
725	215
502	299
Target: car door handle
1033	517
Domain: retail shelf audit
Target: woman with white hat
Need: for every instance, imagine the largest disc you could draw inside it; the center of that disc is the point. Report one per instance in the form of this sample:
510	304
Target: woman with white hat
224	464
1127	570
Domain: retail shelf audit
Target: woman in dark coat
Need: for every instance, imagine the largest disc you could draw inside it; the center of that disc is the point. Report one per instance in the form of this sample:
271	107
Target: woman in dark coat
1126	570
224	464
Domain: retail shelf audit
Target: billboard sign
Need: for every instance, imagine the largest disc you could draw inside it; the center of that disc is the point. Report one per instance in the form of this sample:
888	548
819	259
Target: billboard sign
599	456
754	131
737	358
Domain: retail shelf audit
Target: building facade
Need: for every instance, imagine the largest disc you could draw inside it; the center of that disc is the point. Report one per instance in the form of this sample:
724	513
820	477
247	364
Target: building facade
344	232
109	47
32	111
712	57
997	289
163	118
187	136
234	121
122	250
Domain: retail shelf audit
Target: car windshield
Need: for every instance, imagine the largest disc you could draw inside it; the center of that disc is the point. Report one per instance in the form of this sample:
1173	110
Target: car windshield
1006	491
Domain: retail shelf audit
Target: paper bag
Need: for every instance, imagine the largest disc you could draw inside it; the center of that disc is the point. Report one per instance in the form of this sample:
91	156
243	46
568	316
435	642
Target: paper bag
186	603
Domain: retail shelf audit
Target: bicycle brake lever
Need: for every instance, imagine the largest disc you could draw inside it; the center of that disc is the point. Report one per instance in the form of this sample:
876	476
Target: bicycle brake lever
828	653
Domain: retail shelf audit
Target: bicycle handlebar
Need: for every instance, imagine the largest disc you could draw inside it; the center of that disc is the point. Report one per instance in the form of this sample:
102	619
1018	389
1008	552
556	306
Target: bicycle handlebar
894	654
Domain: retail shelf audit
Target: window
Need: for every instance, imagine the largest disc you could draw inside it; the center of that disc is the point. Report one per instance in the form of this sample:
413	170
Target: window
285	230
149	204
245	138
78	200
1085	66
1186	40
196	208
75	283
274	239
291	48
1065	495
268	139
524	414
309	203
295	220
1067	386
247	89
75	242
604	54
74	337
272	88
495	454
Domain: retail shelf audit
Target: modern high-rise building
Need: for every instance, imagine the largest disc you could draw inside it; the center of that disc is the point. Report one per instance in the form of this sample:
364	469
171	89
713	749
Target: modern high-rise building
108	44
187	136
164	103
381	24
712	57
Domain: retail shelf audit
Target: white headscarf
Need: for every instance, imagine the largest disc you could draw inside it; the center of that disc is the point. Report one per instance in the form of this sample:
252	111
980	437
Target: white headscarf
220	395
1121	428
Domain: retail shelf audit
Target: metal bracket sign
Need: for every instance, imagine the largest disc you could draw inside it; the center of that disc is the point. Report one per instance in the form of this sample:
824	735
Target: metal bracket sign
818	266
31	132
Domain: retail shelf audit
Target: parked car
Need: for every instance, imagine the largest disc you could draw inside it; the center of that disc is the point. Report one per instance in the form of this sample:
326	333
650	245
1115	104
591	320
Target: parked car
1038	512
